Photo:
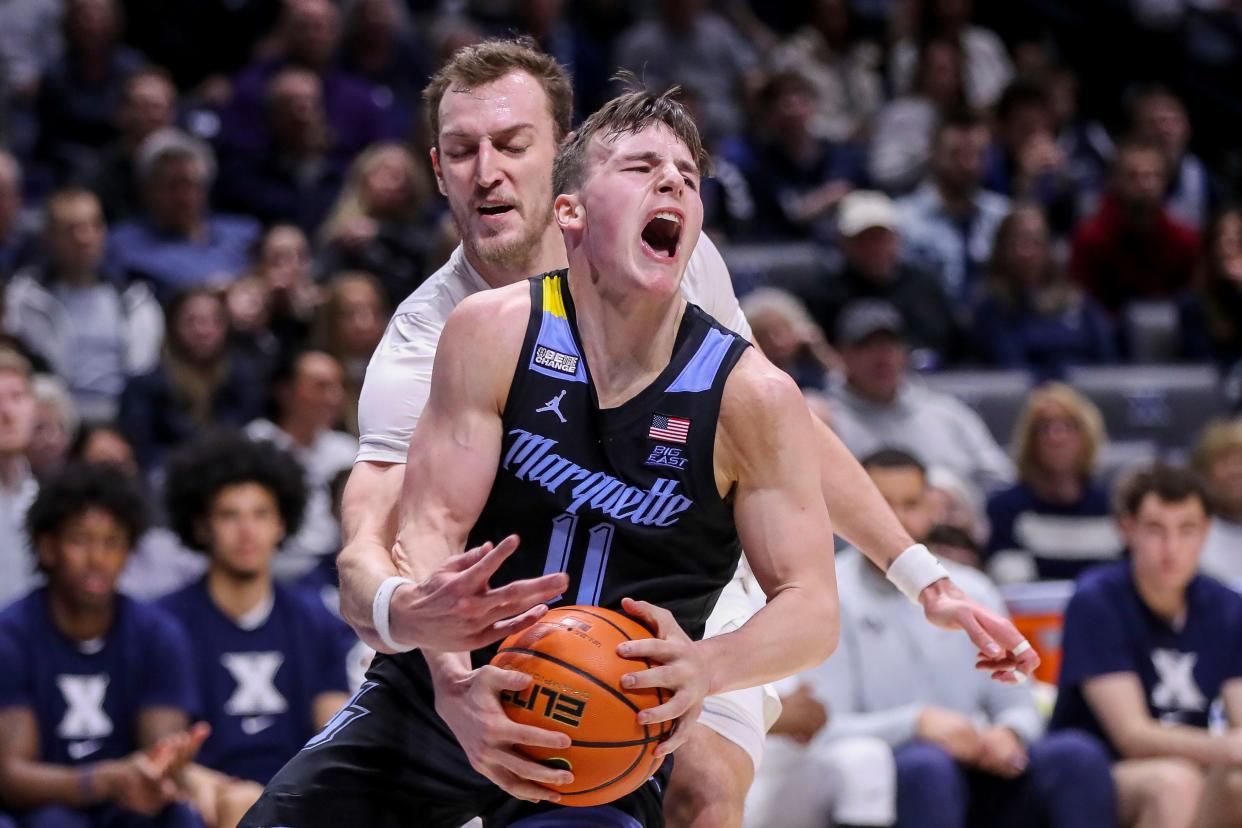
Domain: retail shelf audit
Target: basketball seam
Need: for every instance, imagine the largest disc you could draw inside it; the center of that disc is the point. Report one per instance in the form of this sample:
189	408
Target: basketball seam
631	743
621	775
615	626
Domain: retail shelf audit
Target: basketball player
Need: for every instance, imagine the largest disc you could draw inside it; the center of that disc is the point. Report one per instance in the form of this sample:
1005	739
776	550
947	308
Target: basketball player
498	111
266	669
659	455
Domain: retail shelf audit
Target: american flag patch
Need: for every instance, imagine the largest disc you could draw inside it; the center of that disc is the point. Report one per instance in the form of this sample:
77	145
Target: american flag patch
669	429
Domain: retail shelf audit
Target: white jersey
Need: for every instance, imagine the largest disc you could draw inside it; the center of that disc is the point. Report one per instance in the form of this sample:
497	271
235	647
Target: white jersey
398	379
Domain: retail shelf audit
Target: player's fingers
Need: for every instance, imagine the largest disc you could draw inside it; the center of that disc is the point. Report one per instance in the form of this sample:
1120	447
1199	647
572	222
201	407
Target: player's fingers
519	596
518	787
467	559
662	676
657	618
508	626
657	649
482	571
681	732
980	637
674	708
530	771
520	734
494	679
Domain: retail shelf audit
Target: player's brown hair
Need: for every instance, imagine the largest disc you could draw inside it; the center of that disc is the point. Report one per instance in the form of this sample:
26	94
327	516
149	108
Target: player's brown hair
473	66
1171	484
627	114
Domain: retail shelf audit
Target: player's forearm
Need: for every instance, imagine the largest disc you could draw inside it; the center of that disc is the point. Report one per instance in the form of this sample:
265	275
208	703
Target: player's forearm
797	630
363	565
1153	739
859	513
26	784
369	528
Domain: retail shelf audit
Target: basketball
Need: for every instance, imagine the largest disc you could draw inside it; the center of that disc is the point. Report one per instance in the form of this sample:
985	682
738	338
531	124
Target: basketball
572	655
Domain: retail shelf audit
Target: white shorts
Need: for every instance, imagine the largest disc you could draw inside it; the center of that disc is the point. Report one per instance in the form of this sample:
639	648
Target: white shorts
741	716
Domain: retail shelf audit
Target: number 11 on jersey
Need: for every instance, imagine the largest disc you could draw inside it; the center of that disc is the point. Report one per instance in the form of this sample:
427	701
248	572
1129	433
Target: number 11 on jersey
599	541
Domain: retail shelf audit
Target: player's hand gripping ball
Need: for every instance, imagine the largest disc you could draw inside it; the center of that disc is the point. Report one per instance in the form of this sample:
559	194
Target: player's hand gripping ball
571	653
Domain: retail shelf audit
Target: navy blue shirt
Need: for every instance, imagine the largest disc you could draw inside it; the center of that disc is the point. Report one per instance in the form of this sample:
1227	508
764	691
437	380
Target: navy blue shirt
1063	538
1108	629
257	687
86	697
1044	344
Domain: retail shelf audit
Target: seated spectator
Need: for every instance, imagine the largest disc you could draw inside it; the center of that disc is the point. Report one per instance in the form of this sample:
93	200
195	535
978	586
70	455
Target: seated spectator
843	68
18	486
1027	162
684	43
879	405
1147	646
1218	460
1211	315
1132	248
987	67
1054	522
56	423
92	333
1029	314
869	237
297	179
268	662
308	396
306	38
158	563
788	336
80	90
17	239
378	224
348	326
963	743
272	308
199	382
30	40
949	543
1159	116
179	243
797	178
95	688
381	47
948	223
148	103
1087	146
901	142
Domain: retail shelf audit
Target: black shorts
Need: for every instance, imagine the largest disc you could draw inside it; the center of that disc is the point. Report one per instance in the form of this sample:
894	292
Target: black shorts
389	761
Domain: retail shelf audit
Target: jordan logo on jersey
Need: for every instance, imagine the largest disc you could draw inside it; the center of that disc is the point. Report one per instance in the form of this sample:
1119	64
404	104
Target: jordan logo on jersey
84	717
554	406
530	458
255	674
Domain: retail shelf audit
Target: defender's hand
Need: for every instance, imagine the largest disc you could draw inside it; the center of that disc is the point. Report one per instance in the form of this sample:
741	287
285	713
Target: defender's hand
455	610
471	707
681	669
1002	648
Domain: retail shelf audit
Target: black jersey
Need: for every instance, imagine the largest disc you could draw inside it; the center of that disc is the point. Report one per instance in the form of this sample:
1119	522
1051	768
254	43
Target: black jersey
622	499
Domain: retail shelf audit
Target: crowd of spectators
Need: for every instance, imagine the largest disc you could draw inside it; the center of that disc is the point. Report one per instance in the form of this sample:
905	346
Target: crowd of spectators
208	212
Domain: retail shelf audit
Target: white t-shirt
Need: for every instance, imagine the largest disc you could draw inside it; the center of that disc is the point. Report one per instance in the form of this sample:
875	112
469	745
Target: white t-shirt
398	379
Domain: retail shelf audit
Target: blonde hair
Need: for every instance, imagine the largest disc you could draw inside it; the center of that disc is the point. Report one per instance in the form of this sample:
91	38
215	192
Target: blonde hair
1218	439
767	300
1081	409
353	204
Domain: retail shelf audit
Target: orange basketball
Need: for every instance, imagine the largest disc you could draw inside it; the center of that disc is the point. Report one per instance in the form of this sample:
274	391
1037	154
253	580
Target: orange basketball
572	655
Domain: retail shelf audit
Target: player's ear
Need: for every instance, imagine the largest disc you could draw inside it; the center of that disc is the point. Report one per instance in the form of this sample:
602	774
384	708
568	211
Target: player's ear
569	212
435	166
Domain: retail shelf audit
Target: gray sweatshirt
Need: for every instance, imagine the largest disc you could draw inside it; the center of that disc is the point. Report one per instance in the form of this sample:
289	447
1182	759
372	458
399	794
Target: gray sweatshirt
891	663
935	427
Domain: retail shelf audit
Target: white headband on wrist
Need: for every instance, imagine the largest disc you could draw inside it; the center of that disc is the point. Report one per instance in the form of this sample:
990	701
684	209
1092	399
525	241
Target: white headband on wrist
380	610
915	570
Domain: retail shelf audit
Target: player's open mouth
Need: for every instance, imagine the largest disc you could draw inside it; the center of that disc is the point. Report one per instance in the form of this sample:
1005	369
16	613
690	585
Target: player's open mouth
662	235
494	209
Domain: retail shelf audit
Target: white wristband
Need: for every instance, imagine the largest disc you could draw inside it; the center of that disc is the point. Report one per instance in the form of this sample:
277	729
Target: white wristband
379	612
915	570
